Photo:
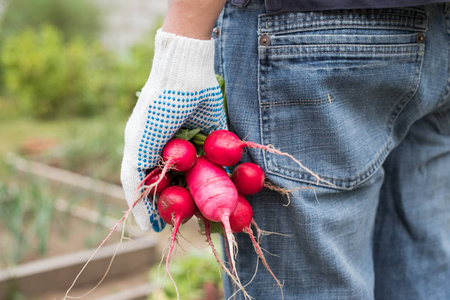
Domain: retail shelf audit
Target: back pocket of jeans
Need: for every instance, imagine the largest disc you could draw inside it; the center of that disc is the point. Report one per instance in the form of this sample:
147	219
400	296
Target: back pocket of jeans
331	85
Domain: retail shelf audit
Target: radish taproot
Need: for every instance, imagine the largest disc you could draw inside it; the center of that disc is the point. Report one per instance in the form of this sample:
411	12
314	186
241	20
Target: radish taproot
154	177
248	178
206	224
175	206
240	221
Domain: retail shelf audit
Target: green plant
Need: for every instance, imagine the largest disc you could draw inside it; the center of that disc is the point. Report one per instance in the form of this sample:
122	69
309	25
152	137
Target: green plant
34	69
193	275
49	77
31	226
26	213
72	17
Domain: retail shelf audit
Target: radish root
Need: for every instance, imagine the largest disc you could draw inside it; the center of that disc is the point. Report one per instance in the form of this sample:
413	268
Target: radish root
272	149
262	232
221	263
123	218
167	166
284	191
259	252
176	226
122	237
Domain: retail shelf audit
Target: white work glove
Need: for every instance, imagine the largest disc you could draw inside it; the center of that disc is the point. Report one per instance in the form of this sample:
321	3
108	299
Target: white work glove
182	90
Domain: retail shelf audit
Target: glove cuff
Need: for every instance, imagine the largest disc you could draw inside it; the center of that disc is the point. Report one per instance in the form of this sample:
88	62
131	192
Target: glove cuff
180	61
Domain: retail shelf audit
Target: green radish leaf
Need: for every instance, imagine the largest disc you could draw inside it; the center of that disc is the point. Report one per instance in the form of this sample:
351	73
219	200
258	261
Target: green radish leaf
186	134
221	82
216	228
199	139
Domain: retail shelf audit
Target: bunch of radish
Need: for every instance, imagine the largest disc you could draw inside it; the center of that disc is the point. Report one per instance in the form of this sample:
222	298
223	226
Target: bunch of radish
193	180
206	190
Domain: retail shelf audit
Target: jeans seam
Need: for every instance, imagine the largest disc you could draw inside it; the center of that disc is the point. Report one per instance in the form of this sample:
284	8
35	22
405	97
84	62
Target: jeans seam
351	26
402	104
444	122
322	21
385	16
369	49
220	41
383	12
323	100
259	92
445	96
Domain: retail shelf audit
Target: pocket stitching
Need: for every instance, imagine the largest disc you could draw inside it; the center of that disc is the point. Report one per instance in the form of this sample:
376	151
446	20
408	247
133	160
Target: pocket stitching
361	49
328	99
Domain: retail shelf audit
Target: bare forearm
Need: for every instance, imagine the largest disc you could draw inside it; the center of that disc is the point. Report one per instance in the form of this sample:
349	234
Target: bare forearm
192	18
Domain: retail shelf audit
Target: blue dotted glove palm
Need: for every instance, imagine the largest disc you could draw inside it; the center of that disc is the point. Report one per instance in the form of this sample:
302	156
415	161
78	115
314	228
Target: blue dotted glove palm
182	90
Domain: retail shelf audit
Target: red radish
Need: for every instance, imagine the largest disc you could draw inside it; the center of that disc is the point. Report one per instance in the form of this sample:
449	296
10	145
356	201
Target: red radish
248	178
175	206
178	155
215	195
213	191
154	177
240	221
242	216
224	148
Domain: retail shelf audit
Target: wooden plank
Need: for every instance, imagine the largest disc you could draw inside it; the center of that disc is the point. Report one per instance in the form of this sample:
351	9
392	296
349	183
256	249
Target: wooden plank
57	273
95	217
138	293
67	177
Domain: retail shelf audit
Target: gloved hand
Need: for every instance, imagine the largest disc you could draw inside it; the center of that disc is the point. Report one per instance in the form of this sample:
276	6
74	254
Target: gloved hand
181	90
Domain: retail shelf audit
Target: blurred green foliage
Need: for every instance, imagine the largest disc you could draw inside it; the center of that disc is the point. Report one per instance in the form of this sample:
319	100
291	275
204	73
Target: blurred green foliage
72	17
195	276
47	76
26	213
52	66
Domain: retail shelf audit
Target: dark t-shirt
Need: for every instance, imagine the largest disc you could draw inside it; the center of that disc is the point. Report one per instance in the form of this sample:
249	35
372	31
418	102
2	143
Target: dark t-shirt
311	5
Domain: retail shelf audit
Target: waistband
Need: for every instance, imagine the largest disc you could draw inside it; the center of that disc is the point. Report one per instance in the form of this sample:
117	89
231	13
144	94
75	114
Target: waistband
401	18
275	6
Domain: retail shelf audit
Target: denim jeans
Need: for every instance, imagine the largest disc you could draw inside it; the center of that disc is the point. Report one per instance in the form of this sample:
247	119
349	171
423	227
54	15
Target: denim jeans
362	98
